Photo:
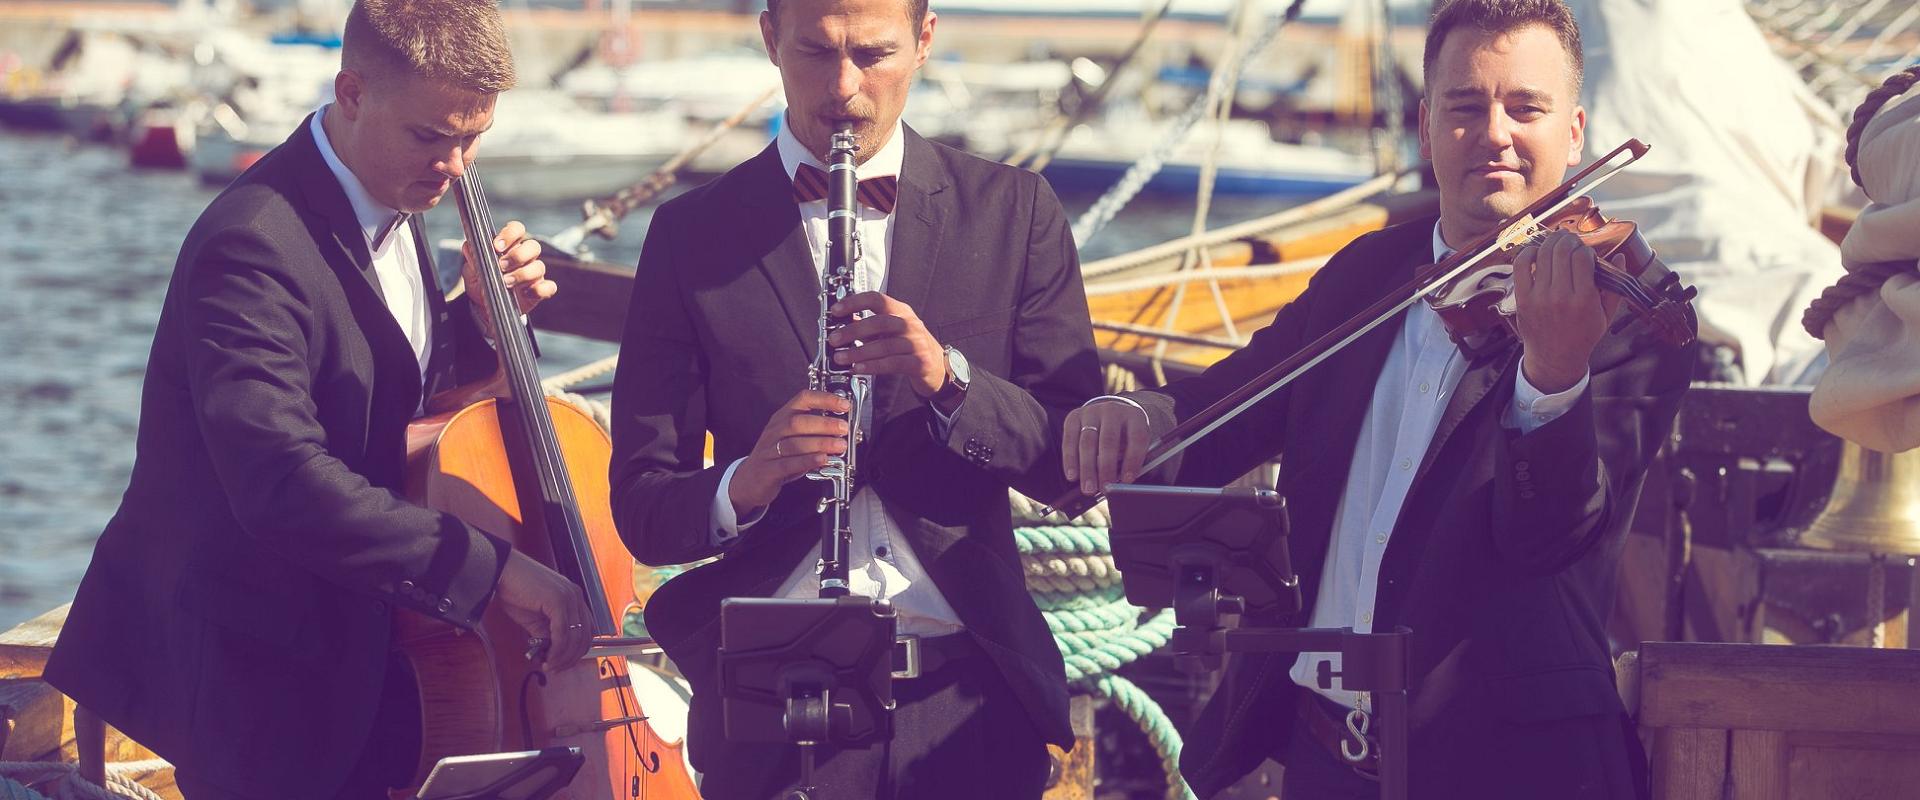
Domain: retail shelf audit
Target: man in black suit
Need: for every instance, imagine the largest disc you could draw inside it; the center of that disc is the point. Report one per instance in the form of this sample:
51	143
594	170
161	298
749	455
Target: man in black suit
1473	500
974	328
235	617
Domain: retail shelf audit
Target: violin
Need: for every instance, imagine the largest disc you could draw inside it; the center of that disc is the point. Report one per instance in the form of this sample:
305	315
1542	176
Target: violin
532	470
1472	290
1477	307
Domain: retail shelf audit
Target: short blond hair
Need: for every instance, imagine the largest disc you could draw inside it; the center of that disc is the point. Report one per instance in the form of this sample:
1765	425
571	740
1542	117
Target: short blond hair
460	42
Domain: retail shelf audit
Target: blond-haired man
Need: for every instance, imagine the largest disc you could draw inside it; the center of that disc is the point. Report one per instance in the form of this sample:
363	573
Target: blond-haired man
235	617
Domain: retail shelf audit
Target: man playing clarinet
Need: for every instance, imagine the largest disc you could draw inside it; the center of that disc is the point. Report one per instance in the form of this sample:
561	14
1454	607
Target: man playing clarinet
970	320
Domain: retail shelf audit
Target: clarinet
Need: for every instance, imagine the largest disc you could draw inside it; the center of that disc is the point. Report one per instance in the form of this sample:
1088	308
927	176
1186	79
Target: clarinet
837	284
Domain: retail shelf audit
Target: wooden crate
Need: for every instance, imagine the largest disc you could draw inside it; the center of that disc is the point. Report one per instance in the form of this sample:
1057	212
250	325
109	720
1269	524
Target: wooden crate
1780	722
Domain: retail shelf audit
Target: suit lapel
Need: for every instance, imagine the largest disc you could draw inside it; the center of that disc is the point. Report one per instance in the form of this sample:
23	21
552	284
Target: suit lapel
918	220
326	198
787	261
1481	378
341	234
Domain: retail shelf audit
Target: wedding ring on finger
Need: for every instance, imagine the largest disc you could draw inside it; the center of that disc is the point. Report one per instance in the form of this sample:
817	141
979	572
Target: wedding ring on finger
776	448
1085	428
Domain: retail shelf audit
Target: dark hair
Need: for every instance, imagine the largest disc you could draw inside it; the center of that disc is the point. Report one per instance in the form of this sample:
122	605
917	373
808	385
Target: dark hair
1502	16
1896	84
461	42
916	13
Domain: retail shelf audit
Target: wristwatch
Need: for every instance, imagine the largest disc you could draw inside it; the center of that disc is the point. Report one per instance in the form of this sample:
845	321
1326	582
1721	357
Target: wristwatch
958	375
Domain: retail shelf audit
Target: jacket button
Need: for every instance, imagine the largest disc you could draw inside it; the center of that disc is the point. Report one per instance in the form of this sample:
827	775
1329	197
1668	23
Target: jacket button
379	607
445	605
1521	466
406	586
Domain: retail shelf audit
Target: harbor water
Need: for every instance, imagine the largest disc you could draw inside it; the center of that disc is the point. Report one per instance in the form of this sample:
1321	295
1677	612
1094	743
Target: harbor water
89	244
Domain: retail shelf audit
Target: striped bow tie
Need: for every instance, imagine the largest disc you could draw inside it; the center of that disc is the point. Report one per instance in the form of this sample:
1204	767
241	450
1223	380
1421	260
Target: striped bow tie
878	193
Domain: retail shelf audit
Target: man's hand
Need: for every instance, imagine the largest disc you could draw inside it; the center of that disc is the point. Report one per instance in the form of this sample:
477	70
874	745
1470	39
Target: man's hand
1104	442
796	439
1559	313
547	606
517	255
892	342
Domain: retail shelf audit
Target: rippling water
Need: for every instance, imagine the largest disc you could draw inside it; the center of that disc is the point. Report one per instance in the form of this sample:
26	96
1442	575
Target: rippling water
87	248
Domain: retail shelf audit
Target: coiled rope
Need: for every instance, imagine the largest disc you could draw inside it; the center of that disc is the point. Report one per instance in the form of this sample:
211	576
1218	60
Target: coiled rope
61	781
1070	572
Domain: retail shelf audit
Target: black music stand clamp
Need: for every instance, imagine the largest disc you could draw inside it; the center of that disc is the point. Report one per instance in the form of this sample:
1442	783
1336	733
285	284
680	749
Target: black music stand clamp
1210	553
809	672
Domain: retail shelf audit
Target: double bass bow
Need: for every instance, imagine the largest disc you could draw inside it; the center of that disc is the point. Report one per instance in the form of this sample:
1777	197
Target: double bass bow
532	470
1471	290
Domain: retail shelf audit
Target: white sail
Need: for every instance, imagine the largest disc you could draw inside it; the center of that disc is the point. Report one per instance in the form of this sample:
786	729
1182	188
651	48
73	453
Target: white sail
1744	157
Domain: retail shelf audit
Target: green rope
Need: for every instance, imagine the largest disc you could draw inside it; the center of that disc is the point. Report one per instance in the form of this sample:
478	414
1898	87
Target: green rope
1146	713
11	789
1071	576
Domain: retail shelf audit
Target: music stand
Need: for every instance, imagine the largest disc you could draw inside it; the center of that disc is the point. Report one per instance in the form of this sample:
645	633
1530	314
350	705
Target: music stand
527	775
1207	553
808	672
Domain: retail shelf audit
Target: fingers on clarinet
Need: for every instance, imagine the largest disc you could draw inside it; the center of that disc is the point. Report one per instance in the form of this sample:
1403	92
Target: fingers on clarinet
889	365
811	400
815	425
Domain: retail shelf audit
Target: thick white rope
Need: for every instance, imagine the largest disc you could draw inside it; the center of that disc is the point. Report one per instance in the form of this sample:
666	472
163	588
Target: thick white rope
64	781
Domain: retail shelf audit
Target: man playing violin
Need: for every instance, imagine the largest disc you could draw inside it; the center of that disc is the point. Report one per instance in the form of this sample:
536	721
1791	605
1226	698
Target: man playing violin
1479	501
235	617
974	329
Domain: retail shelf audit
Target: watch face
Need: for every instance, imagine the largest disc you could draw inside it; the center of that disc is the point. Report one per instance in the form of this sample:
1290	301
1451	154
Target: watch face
958	363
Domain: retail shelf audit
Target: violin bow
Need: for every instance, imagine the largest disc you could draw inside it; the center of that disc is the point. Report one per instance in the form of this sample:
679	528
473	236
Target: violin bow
1224	410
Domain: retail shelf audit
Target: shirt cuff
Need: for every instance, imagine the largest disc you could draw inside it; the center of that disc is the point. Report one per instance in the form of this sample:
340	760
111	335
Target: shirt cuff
942	423
1141	408
726	525
1533	408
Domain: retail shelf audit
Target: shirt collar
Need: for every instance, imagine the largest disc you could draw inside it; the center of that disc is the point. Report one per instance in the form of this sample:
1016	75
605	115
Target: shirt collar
886	162
1440	248
376	220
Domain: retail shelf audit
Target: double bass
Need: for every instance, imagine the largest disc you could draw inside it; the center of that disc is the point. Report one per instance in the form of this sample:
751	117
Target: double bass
532	470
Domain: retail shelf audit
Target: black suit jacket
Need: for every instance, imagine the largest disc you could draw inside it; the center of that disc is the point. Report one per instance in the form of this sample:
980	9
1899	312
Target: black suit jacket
235	615
719	335
1499	562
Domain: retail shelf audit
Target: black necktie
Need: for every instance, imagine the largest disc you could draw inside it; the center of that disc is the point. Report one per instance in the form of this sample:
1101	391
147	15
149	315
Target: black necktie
380	237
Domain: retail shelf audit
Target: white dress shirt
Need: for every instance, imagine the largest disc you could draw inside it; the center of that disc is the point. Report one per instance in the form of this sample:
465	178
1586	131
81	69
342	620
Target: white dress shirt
881	565
1415	384
396	261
